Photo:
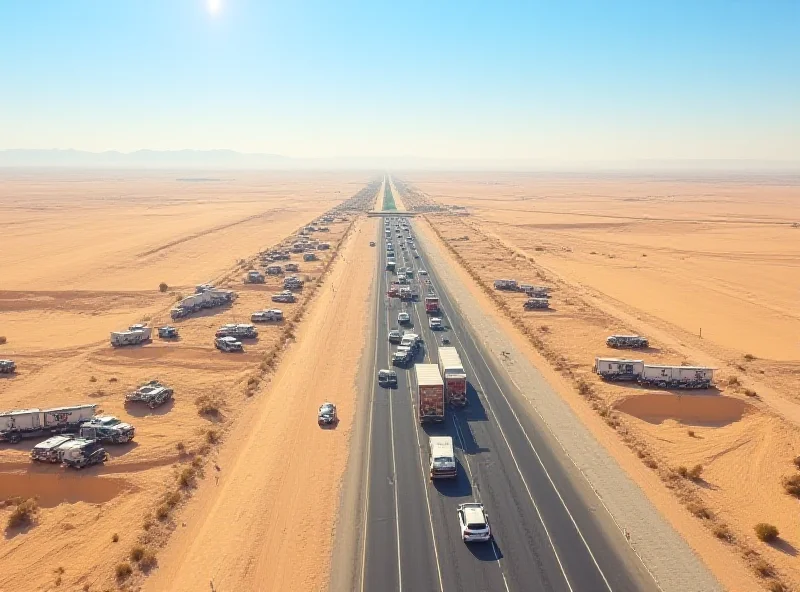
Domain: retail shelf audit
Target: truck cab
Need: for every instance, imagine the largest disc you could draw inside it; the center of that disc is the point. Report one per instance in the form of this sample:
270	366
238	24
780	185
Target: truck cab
228	344
402	356
435	323
441	458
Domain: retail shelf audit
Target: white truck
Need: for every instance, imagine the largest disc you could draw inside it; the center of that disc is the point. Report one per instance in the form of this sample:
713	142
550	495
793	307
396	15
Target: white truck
254	277
455	378
135	335
266	316
618	369
442	459
32	423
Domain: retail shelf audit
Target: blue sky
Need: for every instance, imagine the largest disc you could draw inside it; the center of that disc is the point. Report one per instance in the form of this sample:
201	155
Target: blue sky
552	80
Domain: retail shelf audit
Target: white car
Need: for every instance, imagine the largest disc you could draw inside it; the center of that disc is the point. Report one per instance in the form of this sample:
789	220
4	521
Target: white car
435	323
403	317
474	523
423	272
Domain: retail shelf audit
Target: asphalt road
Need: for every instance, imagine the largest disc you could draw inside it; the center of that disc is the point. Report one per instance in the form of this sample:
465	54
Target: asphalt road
550	531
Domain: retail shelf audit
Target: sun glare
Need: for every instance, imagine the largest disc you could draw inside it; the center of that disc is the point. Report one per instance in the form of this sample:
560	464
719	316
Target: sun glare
214	6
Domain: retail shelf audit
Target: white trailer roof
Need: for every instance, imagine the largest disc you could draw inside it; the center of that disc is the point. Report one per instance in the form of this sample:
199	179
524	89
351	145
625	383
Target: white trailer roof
449	359
428	375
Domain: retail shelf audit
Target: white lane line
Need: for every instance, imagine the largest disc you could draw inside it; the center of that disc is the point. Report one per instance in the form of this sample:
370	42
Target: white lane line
415	421
536	453
396	506
369	446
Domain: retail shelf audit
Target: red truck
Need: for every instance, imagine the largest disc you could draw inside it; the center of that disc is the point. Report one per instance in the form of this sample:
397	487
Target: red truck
431	304
455	379
394	291
430	393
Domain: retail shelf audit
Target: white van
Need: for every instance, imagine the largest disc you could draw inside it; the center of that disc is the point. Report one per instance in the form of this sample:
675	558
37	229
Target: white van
442	458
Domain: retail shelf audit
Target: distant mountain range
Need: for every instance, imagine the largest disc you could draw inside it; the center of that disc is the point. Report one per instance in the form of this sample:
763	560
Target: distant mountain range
232	160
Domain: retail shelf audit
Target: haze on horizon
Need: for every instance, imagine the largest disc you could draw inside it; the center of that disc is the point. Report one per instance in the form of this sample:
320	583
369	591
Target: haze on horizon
576	81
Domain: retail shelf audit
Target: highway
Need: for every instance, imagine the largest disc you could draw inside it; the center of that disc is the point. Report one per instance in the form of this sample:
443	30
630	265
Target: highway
550	531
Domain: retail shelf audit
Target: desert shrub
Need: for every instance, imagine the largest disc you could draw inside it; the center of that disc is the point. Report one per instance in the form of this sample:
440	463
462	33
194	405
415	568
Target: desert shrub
698	510
721	531
776	587
148	560
792	485
763	568
796	461
584	388
733	380
766	532
650	463
750	393
93	379
147	523
162	512
3	339
123	570
212	436
544	329
695	472
207	405
24	513
180	447
691	433
163	287
115	538
682	471
137	552
173	499
749	357
113	379
187	476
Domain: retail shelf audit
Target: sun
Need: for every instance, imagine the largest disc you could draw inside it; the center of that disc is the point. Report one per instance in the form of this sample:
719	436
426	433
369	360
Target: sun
214	6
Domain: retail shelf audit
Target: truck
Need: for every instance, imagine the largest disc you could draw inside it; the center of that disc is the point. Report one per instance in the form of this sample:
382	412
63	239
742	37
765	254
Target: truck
152	393
632	341
688	377
167	332
393	291
536	303
254	277
285	296
614	369
32	423
293	267
402	356
79	453
430	393
50	449
406	294
135	335
455	378
505	285
535	291
266	316
309	257
228	344
107	428
7	367
293	283
431	304
442	459
240	331
435	323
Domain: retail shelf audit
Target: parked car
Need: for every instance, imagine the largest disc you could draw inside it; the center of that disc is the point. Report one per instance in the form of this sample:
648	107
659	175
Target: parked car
327	414
474	523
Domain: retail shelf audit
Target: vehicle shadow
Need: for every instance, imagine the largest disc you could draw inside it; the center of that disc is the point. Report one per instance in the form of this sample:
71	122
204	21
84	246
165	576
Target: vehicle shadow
474	410
117	450
488	551
139	409
458	487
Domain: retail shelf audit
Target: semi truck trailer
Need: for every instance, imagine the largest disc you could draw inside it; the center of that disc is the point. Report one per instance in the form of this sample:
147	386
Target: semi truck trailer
454	376
430	393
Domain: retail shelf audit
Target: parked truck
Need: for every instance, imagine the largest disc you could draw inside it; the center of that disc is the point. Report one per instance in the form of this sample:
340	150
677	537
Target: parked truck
505	285
33	423
7	367
536	303
687	377
254	277
431	304
285	296
266	316
152	393
631	341
455	378
135	335
430	393
79	453
107	428
240	331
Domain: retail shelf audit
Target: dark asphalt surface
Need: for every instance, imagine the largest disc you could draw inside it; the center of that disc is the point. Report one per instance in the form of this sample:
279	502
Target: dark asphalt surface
551	533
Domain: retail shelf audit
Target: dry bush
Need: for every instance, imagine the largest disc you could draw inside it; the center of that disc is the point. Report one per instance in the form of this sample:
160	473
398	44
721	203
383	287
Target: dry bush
691	433
3	339
584	388
733	381
162	512
749	357
93	379
766	532
115	538
137	552
123	570
187	476
695	472
173	499
163	287
698	510
650	463
212	436
682	471
722	532
776	587
750	393
796	461
792	485
208	405
148	560
113	379
24	514
762	568
180	447
544	329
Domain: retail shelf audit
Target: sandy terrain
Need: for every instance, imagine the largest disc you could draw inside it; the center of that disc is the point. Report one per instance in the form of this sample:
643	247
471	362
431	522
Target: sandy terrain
736	243
57	332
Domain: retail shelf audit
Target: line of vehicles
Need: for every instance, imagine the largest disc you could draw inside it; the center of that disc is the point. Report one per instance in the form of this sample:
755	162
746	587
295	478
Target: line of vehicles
437	386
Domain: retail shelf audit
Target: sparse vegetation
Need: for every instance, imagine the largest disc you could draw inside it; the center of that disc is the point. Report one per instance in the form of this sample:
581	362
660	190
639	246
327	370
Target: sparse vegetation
776	587
722	532
698	510
763	569
180	447
682	471
24	514
187	476
163	287
93	379
115	538
766	532
749	357
137	552
733	381
750	393
123	570
695	472
208	405
2	339
691	433
148	560
796	461
212	436
162	512
791	484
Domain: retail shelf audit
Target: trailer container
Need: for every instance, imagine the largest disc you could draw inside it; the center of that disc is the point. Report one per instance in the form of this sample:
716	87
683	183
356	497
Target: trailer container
430	393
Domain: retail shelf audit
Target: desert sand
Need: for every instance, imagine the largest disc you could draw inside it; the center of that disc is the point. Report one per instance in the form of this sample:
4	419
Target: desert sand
660	257
83	255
